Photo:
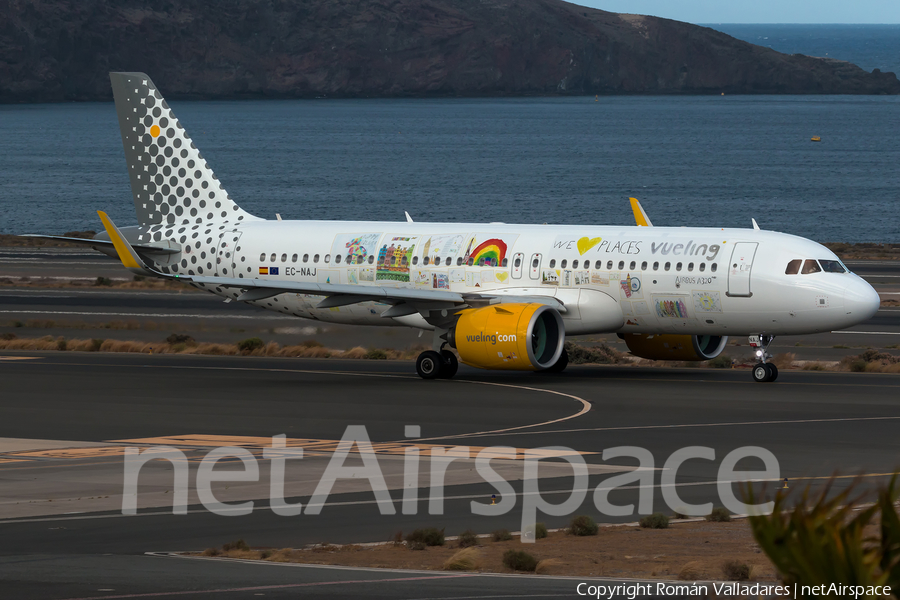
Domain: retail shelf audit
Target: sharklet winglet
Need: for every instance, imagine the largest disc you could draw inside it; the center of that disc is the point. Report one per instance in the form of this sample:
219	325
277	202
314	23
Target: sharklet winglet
640	217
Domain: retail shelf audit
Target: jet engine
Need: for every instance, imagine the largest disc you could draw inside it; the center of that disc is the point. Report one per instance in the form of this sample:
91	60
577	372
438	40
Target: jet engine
675	347
519	337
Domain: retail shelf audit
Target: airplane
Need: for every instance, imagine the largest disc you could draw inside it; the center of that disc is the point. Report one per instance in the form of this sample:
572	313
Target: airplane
503	296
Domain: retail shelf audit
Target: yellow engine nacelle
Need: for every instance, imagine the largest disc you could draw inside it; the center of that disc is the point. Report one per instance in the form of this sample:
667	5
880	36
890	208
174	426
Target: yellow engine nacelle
675	347
519	337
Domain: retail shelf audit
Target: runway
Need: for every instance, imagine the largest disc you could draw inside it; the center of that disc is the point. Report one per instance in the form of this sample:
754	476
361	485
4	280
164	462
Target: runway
815	424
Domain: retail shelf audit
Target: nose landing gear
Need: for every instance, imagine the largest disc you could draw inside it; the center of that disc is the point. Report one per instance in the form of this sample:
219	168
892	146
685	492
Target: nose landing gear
763	371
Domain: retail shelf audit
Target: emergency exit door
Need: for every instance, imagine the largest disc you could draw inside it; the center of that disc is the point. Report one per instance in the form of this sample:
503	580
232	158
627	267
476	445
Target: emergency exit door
739	269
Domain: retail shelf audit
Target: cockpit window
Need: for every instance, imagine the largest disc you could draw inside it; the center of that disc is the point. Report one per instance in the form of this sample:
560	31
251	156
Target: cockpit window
810	266
832	266
793	267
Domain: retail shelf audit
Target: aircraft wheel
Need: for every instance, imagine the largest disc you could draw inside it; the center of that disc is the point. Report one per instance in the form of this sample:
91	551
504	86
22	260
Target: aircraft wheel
773	371
450	366
561	363
761	372
429	365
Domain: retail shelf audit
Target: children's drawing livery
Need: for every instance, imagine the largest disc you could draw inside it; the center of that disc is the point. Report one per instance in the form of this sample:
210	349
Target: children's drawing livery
495	296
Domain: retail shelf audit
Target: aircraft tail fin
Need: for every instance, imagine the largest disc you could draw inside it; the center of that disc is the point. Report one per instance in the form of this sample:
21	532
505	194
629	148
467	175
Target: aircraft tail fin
171	182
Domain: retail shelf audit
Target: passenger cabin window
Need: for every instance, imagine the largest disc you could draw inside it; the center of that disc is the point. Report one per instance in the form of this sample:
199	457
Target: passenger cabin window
471	261
678	267
535	263
306	258
832	266
371	259
656	266
337	259
810	266
644	266
327	258
598	264
415	260
621	264
273	258
405	261
294	258
714	267
633	265
552	263
575	264
609	266
504	264
284	258
563	263
425	260
481	262
793	267
690	266
517	263
316	258
459	261
359	259
668	266
702	267
262	257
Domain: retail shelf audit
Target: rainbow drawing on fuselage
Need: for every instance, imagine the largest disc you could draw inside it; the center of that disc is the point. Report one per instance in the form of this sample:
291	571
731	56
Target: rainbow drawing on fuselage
493	251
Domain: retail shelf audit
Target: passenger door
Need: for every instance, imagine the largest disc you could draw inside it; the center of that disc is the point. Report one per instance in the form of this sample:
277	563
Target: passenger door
739	269
518	259
226	251
535	272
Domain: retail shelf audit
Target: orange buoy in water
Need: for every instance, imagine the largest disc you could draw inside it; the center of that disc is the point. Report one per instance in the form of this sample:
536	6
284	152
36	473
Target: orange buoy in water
815	138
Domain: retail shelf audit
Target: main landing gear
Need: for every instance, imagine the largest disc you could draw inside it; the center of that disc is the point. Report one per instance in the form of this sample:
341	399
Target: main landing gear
763	371
437	365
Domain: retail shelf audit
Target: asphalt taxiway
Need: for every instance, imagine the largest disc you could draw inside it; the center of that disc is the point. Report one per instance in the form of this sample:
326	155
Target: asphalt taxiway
816	424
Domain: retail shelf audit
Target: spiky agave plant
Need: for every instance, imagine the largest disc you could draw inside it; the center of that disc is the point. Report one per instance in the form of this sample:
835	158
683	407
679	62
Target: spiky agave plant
824	541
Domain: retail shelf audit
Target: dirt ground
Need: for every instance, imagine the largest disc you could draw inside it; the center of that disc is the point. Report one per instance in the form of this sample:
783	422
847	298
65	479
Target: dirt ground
688	551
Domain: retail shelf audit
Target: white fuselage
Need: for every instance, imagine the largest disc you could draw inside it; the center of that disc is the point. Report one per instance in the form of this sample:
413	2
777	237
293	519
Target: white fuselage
702	281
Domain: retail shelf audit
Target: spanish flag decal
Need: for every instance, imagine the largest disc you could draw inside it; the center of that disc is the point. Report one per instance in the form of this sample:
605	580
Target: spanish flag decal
264	270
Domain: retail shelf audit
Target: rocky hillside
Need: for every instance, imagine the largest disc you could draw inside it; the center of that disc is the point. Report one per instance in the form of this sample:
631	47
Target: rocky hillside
61	50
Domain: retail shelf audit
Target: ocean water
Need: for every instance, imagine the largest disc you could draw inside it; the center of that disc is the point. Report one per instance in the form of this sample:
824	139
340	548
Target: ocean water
868	46
693	161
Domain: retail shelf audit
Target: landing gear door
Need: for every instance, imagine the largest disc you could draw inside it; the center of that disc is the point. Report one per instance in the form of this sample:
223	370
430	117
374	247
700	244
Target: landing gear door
518	259
535	271
739	269
226	254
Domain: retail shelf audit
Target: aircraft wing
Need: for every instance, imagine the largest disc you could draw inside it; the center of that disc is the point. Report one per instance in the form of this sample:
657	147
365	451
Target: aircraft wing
335	294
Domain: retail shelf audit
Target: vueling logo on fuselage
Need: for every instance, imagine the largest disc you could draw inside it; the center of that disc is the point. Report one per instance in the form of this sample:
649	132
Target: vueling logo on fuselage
690	249
493	338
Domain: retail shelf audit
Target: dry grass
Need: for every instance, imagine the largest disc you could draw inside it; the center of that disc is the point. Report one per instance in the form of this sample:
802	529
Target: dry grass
467	559
690	551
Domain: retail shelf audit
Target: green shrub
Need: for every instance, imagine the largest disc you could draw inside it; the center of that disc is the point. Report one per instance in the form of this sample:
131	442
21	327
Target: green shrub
235	545
8	336
519	560
250	344
18	324
602	354
501	535
61	344
722	361
103	281
376	354
265	554
540	531
467	538
430	536
583	525
655	521
139	278
180	338
211	552
96	344
719	514
416	545
735	570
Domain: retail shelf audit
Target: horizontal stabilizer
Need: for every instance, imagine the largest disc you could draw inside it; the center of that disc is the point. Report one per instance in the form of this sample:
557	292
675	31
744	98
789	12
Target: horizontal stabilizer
100	243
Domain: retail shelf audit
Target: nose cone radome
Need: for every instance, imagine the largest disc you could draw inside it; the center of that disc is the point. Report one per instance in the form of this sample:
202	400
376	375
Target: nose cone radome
861	301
